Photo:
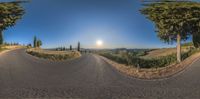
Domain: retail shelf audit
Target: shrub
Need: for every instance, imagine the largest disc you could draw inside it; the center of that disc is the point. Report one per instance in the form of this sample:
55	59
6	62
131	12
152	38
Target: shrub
162	61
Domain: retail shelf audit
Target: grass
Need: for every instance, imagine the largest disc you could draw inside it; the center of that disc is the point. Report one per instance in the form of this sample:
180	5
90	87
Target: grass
6	47
163	52
53	55
2	49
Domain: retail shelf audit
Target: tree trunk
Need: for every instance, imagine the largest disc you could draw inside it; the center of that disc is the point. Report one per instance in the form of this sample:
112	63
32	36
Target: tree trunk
178	48
1	37
196	40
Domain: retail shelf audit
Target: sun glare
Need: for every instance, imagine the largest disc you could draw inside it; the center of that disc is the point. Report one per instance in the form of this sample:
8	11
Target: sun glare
99	42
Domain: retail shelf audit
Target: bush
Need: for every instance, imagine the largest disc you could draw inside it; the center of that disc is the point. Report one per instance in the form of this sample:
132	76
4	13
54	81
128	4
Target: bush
163	61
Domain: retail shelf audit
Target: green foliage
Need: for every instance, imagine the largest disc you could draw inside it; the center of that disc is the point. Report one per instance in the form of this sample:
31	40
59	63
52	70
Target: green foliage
29	45
61	49
70	48
10	12
172	18
189	53
196	40
132	60
35	42
138	53
143	63
39	43
188	44
79	47
1	38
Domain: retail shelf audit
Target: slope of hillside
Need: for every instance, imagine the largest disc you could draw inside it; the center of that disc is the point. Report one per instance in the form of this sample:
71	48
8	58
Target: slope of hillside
162	52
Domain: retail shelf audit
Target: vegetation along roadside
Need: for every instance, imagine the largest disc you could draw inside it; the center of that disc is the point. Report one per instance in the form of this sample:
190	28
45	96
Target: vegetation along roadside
53	55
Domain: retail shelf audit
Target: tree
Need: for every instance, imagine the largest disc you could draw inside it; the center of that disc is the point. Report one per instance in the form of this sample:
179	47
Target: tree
39	43
29	45
64	48
70	48
78	46
174	20
196	40
35	42
10	12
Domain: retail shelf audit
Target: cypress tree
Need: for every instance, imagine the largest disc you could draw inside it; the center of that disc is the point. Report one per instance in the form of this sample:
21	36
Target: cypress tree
79	46
35	42
70	48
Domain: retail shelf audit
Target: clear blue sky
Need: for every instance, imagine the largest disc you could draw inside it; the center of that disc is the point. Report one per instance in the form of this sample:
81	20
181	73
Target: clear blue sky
118	23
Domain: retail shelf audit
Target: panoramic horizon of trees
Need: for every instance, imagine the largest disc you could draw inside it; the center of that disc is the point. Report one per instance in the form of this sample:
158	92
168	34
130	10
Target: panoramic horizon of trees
175	21
12	43
70	48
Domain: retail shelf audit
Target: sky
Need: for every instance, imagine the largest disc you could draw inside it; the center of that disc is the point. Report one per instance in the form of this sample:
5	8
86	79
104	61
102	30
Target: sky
117	23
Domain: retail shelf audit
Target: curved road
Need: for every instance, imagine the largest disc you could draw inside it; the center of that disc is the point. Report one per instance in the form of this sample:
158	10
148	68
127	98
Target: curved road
89	77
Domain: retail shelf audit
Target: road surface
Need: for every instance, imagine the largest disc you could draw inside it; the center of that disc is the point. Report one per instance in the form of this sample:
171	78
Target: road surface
88	77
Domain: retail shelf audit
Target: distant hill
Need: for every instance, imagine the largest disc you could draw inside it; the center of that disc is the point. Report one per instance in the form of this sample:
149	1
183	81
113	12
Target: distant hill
166	51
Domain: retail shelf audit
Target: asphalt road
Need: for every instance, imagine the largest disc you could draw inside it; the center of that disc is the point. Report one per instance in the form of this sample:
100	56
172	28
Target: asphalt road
88	77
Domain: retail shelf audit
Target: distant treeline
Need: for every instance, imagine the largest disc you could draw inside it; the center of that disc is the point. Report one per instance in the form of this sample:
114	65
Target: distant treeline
11	43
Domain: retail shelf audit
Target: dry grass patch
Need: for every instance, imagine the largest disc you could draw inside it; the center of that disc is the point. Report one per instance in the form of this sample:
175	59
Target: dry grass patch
11	47
53	55
162	52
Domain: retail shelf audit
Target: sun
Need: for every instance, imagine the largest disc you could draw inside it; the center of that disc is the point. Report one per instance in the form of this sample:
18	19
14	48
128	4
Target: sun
99	42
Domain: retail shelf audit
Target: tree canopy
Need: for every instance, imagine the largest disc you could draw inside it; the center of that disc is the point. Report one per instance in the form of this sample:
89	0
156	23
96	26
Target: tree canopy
172	18
10	12
39	43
